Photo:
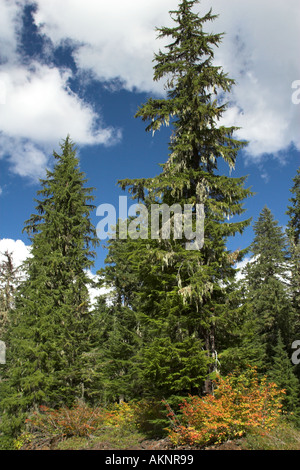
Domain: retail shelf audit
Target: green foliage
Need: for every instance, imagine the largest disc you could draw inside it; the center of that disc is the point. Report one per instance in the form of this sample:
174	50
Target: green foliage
179	295
266	283
84	426
282	372
293	211
283	437
119	342
51	327
7	443
238	405
173	367
293	233
175	319
9	280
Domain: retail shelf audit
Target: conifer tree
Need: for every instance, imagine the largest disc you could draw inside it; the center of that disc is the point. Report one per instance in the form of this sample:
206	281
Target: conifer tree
52	327
283	374
293	233
267	284
238	333
9	280
119	336
184	291
294	210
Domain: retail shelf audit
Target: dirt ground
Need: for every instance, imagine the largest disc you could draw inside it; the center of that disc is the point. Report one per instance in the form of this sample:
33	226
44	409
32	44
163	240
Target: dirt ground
165	444
148	444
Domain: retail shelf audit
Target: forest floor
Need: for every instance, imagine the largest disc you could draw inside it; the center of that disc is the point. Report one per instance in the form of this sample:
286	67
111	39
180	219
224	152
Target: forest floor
164	444
283	437
108	445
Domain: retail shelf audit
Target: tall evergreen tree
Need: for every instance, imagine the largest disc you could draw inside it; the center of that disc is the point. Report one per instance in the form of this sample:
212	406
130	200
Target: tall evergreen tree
184	291
52	327
9	280
293	232
282	373
294	210
237	333
119	327
267	284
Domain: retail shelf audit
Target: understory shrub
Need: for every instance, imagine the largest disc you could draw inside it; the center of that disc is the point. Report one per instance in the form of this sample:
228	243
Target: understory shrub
84	421
238	405
283	437
79	421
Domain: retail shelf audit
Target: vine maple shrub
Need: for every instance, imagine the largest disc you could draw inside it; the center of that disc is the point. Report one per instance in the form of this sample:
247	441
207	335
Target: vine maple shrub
238	405
83	420
65	422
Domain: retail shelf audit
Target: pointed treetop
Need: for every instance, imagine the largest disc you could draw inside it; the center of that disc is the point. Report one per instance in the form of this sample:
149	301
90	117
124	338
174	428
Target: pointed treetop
293	226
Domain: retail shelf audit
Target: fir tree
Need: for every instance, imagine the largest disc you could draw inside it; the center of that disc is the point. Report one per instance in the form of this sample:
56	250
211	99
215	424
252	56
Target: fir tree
293	233
52	327
9	280
283	374
294	210
267	284
119	343
238	333
184	291
119	335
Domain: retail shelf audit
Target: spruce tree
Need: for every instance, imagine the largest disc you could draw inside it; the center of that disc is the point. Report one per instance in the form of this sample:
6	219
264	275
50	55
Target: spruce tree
52	327
184	291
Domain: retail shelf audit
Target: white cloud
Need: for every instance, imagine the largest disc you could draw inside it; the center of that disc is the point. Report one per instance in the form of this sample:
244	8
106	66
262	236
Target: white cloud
115	39
26	158
39	111
41	107
37	107
260	51
10	25
20	252
96	292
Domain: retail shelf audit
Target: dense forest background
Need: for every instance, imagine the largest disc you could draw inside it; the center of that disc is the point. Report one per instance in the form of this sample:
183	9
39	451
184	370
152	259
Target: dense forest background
173	319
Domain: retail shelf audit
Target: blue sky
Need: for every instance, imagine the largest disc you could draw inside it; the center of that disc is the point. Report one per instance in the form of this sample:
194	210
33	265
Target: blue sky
84	67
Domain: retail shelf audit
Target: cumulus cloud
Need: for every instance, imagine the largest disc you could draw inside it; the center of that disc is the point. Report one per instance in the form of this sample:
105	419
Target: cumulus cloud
260	51
25	158
39	111
40	106
114	40
10	26
20	252
37	107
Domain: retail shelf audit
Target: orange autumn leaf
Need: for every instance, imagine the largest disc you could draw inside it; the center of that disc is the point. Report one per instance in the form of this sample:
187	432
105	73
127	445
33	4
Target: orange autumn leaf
239	403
